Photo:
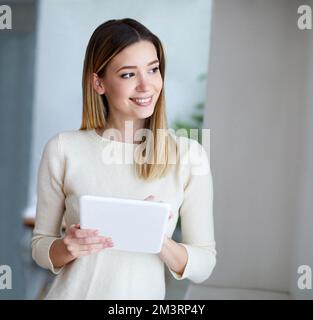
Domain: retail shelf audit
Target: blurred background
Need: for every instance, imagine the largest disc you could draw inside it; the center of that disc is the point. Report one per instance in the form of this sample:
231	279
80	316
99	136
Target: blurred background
241	68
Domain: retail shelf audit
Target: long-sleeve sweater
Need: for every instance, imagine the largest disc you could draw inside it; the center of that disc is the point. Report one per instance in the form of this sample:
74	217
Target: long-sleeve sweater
74	163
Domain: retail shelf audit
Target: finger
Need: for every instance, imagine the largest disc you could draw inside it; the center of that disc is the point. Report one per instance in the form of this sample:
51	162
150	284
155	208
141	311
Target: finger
70	231
76	249
150	198
92	247
72	227
87	240
83	233
153	198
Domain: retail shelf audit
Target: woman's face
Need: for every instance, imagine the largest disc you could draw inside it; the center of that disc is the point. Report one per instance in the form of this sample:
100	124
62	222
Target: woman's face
133	82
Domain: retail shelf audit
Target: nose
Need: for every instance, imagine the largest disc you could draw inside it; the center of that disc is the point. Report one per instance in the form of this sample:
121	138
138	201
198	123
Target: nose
143	83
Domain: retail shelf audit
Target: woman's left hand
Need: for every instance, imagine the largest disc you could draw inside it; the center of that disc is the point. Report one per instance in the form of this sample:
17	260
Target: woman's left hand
166	240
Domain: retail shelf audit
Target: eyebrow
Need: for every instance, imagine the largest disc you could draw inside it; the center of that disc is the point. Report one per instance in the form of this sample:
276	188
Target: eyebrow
134	67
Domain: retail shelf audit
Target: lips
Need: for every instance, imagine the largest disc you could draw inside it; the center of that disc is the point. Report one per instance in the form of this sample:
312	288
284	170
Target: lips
144	101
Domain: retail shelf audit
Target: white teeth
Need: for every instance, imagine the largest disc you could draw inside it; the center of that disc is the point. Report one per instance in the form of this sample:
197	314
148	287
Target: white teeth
142	100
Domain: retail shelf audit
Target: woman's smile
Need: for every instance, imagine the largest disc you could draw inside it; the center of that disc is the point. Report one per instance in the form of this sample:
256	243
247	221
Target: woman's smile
142	102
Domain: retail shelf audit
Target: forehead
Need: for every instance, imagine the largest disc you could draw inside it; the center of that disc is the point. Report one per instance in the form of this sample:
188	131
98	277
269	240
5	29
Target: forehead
137	54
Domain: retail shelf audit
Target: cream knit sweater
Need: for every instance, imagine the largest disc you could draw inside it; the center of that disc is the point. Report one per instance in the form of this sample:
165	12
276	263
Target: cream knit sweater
72	165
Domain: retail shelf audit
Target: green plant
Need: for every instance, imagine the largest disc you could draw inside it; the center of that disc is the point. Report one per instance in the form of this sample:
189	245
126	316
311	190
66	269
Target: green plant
196	118
195	122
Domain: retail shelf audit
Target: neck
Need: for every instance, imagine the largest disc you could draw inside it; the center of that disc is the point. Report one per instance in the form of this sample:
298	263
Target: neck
126	129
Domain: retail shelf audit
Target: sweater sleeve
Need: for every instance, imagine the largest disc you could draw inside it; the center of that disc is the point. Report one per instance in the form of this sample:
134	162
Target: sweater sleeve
50	204
196	213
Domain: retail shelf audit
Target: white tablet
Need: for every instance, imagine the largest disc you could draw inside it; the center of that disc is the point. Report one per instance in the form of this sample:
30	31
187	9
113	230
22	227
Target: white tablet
133	225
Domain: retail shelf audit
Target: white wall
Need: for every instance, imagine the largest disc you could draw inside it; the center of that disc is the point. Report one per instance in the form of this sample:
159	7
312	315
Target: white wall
258	111
64	30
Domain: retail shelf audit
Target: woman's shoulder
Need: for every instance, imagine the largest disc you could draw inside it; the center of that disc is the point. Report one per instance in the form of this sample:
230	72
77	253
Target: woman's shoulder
62	139
73	134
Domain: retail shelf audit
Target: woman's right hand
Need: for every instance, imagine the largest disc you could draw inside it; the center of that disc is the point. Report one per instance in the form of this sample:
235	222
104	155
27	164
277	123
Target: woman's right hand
82	242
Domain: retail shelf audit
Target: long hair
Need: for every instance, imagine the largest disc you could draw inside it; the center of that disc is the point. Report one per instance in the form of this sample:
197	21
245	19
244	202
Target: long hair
106	42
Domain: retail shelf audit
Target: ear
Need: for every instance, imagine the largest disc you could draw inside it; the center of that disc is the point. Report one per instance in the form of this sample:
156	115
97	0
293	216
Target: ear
97	84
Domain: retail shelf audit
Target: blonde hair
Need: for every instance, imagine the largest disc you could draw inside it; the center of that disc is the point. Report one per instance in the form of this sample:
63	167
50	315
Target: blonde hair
107	41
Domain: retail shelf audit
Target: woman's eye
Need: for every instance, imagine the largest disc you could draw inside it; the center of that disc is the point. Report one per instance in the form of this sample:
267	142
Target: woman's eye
126	75
129	75
155	70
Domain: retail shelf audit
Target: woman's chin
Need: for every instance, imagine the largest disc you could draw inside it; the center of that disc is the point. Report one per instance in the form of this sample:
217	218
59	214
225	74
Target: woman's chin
145	113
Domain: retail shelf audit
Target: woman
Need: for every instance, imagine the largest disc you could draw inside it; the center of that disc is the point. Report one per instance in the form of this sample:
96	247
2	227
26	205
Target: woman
123	97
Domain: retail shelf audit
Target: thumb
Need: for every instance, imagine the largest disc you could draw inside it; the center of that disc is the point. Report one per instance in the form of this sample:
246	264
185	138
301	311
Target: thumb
74	226
150	198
